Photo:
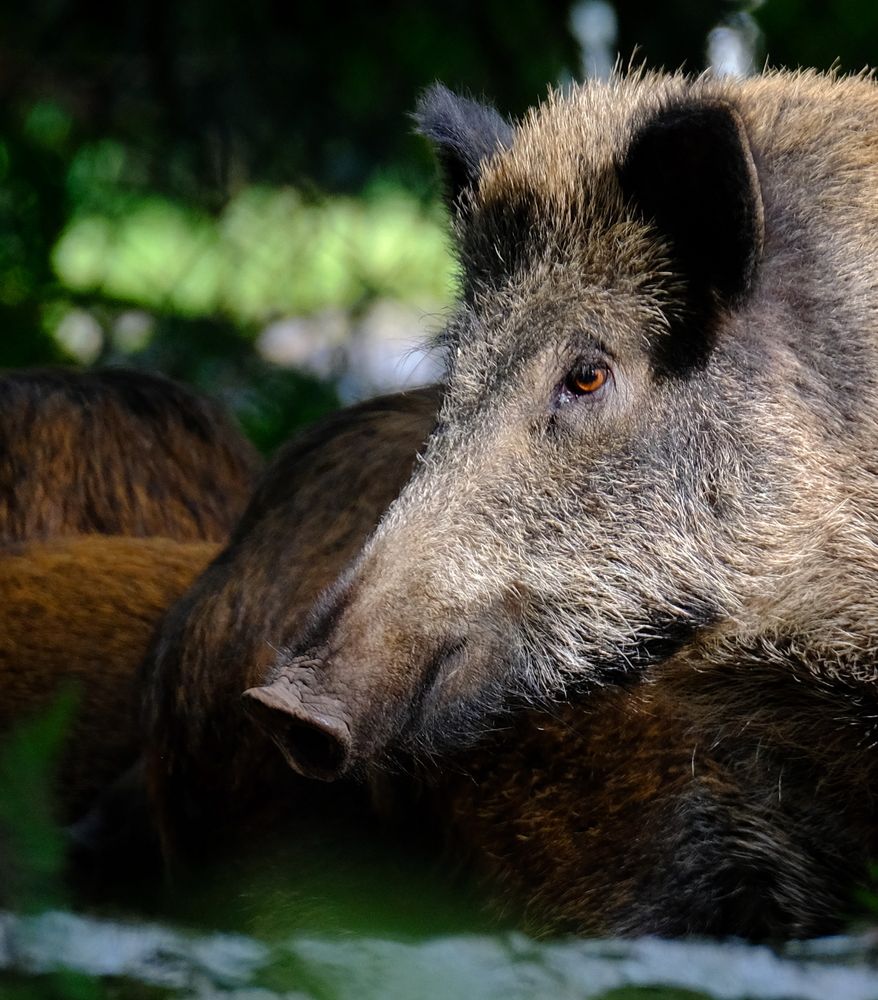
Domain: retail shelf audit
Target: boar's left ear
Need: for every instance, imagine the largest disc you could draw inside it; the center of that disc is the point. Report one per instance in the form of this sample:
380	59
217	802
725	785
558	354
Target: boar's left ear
690	169
464	133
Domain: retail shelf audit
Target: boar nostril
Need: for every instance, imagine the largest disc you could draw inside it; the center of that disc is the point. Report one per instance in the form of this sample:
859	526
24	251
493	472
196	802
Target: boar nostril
313	743
318	751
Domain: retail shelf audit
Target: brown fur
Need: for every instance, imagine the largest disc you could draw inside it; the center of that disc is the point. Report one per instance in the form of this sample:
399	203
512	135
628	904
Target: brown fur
79	613
734	800
119	453
737	801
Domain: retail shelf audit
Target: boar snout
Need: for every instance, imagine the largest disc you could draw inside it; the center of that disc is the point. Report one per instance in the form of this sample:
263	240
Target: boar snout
391	654
327	718
310	727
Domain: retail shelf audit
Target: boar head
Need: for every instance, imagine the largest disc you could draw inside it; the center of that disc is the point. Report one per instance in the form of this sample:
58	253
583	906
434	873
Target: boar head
613	477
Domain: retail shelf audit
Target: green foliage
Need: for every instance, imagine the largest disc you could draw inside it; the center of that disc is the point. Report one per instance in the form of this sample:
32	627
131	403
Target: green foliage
269	252
67	985
31	844
820	33
32	155
214	356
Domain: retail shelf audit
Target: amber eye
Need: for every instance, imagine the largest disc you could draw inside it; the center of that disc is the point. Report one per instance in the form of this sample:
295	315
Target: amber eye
586	380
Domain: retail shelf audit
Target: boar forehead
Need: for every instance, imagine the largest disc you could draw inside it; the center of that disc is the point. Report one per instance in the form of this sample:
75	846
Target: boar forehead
512	348
554	196
520	238
553	256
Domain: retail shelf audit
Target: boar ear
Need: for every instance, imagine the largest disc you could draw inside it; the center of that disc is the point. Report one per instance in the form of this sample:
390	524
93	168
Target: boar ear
464	134
690	169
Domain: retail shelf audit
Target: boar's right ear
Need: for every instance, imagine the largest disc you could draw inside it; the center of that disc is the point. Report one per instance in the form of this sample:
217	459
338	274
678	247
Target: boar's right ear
691	171
464	133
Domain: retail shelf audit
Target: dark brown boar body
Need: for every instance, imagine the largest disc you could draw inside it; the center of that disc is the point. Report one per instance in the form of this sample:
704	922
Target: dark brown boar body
117	452
736	801
320	498
659	432
78	615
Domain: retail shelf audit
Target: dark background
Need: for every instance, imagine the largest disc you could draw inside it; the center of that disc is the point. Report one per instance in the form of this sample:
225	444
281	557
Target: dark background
207	188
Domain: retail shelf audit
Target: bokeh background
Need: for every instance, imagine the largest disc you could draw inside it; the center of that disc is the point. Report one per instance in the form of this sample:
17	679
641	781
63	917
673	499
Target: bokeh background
230	192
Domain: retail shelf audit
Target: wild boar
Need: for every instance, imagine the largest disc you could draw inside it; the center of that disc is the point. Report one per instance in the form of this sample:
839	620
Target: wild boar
735	797
657	438
118	452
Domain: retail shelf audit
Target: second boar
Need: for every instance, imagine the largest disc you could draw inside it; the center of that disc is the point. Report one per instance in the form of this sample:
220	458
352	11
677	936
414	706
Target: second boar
117	452
319	499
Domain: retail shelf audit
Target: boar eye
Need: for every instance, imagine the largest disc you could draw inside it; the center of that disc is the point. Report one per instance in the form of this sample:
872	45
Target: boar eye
586	379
